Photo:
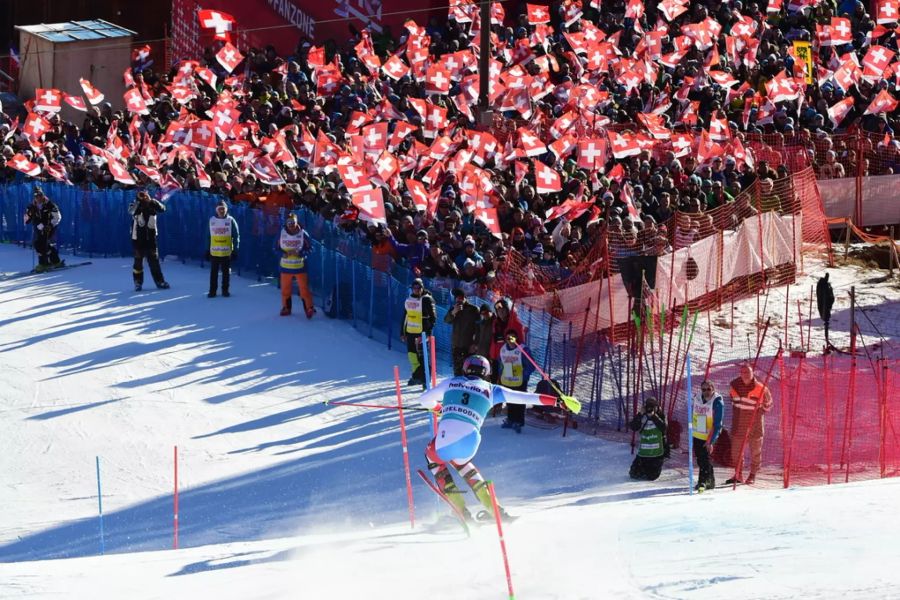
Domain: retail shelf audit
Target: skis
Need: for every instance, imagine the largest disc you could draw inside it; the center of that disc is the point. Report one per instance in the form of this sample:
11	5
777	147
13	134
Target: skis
456	512
63	267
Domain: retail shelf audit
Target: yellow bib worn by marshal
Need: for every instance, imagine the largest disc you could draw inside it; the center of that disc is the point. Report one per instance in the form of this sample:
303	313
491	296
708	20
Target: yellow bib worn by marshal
292	244
220	240
512	370
703	418
413	307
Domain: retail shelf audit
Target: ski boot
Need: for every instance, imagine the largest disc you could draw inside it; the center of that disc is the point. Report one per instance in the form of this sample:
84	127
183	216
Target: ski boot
310	312
138	287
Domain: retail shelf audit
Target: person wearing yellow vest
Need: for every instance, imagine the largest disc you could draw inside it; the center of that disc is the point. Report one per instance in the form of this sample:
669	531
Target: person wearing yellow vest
650	424
295	248
750	399
419	316
514	372
708	414
224	239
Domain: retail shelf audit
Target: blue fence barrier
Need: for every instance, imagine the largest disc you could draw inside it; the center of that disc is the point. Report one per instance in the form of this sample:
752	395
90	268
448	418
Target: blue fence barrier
96	223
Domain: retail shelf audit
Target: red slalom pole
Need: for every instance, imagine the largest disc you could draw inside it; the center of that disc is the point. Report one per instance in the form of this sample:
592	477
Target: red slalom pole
175	517
509	585
433	357
409	494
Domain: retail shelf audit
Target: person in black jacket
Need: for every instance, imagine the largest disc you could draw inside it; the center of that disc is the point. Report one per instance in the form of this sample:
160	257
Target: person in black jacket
650	424
143	212
464	337
419	317
44	216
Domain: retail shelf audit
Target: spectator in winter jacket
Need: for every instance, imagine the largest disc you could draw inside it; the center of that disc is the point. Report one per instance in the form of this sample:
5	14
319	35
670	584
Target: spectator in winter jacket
44	216
413	253
463	316
708	414
144	210
419	318
750	400
485	338
505	320
650	424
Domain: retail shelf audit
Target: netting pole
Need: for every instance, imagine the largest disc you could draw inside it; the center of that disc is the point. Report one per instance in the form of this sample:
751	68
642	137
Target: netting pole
578	350
800	324
848	415
785	438
794	413
787	313
612	313
809	321
372	304
548	348
882	406
829	424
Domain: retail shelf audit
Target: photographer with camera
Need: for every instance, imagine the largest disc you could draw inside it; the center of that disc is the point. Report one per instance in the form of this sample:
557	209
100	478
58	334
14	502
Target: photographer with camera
44	216
463	316
650	423
143	211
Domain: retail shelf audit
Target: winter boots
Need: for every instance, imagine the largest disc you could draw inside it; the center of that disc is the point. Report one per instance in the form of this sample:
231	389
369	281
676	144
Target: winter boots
286	308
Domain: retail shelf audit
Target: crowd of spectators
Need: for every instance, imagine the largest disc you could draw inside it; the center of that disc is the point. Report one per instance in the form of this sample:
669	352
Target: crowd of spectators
689	84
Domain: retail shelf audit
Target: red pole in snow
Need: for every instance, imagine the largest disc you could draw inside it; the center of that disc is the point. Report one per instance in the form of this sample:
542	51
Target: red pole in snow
175	517
409	494
509	585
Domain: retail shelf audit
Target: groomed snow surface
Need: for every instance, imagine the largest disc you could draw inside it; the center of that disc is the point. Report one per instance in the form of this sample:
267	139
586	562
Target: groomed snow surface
284	497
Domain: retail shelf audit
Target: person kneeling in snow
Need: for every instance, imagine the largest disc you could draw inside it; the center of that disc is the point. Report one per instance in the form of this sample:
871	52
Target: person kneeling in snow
464	402
651	425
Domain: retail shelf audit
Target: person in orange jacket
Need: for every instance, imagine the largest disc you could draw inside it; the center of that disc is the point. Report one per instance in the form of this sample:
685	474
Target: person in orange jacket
295	246
750	400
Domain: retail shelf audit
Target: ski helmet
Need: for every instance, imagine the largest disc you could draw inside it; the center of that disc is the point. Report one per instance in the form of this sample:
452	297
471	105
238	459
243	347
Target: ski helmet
477	365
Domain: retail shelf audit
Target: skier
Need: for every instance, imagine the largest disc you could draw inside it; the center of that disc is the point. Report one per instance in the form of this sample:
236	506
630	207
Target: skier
224	239
464	402
296	247
143	211
709	412
419	318
44	216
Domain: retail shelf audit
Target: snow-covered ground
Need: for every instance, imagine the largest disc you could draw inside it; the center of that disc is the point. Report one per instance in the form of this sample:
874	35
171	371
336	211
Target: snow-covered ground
284	497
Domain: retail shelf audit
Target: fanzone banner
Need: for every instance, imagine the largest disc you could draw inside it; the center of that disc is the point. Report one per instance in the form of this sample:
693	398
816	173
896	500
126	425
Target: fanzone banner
283	23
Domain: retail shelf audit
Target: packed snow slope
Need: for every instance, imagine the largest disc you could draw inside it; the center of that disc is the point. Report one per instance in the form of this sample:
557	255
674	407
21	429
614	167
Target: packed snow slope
282	496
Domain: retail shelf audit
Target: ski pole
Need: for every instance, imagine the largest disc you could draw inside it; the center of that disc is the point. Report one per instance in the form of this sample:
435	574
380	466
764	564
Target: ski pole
409	494
576	408
383	406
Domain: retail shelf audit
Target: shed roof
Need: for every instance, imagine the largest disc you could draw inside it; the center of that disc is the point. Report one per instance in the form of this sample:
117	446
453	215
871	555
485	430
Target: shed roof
77	31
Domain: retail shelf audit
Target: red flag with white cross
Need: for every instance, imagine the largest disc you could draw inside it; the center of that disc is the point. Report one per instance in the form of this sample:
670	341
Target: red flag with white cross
370	204
20	163
47	100
354	178
220	22
135	103
591	153
546	179
229	57
94	95
538	13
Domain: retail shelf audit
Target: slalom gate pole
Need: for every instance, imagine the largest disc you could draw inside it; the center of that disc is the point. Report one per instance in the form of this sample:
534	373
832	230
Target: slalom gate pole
690	417
509	585
800	324
762	340
787	311
539	370
382	406
100	505
409	494
426	364
175	516
809	320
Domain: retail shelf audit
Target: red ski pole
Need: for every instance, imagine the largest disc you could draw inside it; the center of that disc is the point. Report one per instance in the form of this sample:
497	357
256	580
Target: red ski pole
509	585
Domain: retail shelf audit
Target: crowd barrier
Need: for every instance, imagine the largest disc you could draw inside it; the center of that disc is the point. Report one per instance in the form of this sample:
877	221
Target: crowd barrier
609	378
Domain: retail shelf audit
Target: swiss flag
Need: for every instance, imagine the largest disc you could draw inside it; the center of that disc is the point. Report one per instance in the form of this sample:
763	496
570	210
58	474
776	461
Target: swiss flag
76	102
623	145
887	12
420	196
671	9
395	68
229	57
135	103
224	120
120	173
546	179
151	172
221	22
781	89
530	142
47	100
883	103
94	95
207	76
370	204
876	61
266	170
35	126
538	13
401	130
57	172
488	216
682	144
375	137
841	31
354	178
437	80
20	163
591	153
563	146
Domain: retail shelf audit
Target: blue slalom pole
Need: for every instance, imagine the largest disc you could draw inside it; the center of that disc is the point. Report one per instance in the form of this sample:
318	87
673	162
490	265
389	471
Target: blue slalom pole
425	359
690	409
100	505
